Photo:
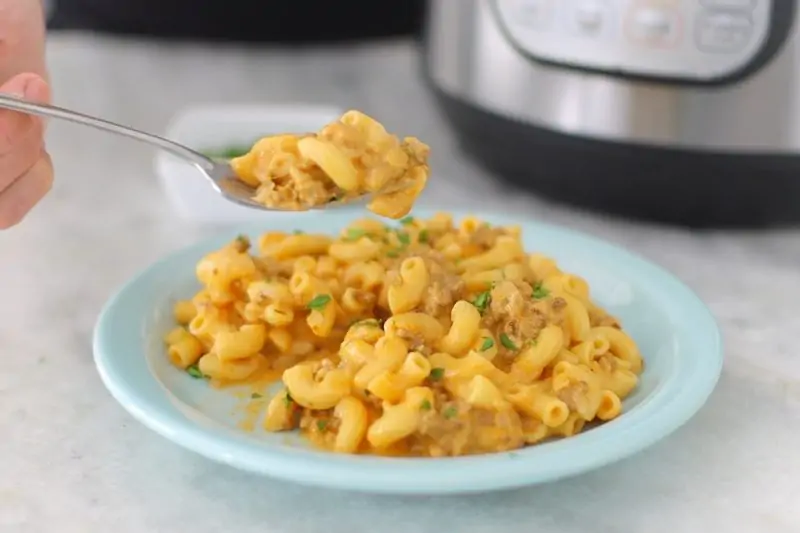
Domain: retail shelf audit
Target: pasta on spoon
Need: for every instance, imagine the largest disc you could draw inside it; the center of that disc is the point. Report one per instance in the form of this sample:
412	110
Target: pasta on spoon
347	159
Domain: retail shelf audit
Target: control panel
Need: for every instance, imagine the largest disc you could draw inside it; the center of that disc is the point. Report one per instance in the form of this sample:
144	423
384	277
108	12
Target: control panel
691	40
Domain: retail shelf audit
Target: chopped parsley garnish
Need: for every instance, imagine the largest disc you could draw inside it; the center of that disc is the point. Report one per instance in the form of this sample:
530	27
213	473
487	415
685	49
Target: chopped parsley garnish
195	372
287	400
229	152
406	221
540	291
322	424
256	396
450	412
506	341
242	243
353	234
426	405
393	254
403	237
423	236
482	301
487	343
437	374
319	302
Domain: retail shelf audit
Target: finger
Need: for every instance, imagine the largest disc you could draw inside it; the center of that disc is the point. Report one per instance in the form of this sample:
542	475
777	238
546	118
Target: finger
20	134
21	38
19	198
21	156
12	123
37	89
30	87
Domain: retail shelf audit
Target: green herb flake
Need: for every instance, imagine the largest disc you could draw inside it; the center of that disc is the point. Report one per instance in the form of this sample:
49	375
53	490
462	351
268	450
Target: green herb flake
406	221
353	234
487	343
195	372
423	237
450	412
319	302
540	291
426	405
242	243
481	302
436	374
256	396
288	400
322	425
229	152
393	254
403	237
506	341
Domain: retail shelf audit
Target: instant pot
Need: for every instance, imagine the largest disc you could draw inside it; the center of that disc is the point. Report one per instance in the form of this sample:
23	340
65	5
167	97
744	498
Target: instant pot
679	111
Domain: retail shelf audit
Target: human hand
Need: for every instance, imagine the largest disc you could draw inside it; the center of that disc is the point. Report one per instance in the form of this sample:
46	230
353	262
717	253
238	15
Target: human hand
26	173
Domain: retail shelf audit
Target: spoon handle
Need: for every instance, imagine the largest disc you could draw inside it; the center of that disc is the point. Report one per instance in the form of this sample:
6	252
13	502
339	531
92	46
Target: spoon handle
179	150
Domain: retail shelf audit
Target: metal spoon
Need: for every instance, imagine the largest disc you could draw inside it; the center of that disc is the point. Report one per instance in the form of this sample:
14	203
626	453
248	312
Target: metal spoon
218	172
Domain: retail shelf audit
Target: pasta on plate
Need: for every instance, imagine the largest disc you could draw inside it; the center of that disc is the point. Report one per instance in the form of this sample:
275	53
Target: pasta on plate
429	338
351	157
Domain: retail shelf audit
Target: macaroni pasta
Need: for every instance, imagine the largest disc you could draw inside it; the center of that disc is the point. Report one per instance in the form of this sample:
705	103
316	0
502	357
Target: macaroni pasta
349	158
431	338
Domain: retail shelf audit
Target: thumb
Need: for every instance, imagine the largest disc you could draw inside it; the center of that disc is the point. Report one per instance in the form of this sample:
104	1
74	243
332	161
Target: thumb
14	125
28	86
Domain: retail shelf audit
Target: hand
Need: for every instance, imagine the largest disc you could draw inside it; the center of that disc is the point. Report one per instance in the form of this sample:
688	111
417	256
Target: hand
26	173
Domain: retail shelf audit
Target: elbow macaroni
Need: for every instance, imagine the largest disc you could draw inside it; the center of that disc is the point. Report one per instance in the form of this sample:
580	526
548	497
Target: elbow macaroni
430	338
351	157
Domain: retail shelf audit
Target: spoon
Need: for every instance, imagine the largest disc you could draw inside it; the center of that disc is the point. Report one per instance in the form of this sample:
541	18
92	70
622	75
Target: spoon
218	172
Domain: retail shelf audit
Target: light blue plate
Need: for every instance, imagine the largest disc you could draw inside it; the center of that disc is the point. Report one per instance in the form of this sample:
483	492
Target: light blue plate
675	332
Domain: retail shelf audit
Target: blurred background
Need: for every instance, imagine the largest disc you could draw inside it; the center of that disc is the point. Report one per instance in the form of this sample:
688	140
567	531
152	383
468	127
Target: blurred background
670	127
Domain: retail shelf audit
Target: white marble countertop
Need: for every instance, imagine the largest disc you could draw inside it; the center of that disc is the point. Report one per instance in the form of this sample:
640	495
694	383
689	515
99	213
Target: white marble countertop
71	460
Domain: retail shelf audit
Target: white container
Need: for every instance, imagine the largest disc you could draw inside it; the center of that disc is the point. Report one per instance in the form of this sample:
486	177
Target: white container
217	127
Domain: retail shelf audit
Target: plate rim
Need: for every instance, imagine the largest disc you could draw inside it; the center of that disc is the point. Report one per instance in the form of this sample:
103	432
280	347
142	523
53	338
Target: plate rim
479	473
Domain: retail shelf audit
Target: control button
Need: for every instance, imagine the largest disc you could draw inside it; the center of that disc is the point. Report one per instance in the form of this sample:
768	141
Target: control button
723	32
533	14
590	18
654	26
729	4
